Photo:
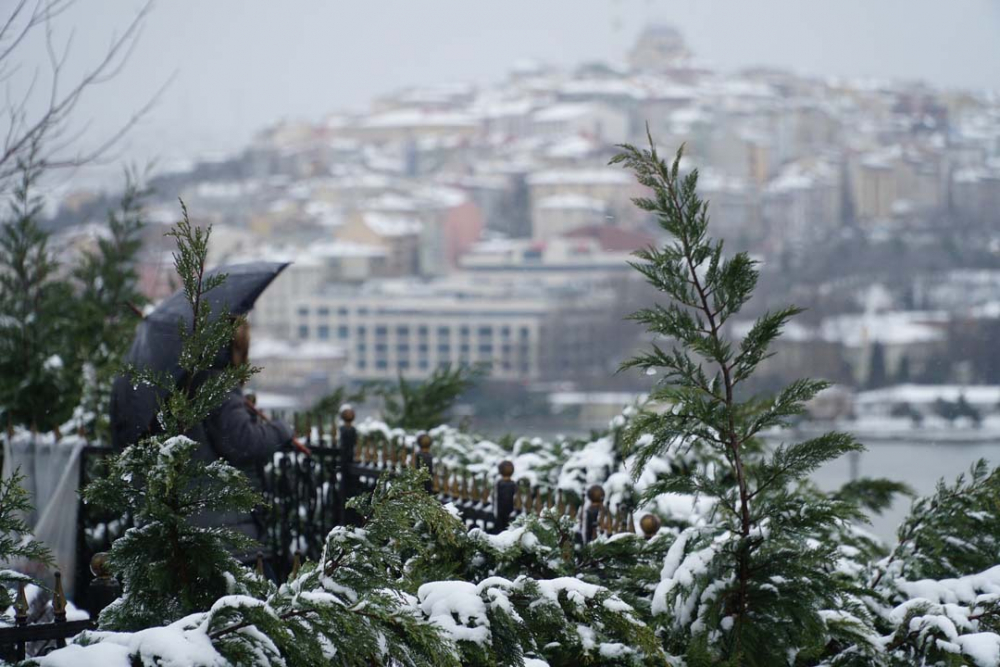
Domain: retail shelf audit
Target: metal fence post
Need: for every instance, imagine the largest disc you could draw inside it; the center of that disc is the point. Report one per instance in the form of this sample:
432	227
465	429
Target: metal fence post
595	494
104	588
348	476
506	489
424	459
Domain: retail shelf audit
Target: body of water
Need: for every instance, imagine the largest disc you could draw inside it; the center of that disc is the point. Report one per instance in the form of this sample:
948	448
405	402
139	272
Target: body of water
919	464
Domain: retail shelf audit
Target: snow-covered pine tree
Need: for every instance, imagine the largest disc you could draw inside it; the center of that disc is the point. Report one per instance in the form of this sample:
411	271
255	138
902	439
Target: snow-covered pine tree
411	587
755	586
169	565
936	596
39	388
104	312
15	535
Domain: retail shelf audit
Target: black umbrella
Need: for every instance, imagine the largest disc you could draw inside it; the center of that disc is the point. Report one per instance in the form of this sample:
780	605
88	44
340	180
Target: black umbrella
157	344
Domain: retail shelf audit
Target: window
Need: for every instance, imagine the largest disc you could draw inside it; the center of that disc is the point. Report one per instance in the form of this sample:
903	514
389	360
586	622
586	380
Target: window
464	349
505	332
444	349
323	332
464	331
381	348
362	311
381	364
303	331
403	332
361	364
303	311
422	348
362	348
323	311
423	365
444	332
525	333
403	364
422	331
381	331
403	348
342	332
342	312
486	349
362	331
485	332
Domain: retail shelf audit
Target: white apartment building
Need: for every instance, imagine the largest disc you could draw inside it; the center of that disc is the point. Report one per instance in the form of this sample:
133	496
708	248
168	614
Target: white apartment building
398	327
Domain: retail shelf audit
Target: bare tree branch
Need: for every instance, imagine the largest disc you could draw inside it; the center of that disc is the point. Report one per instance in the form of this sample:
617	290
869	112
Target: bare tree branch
49	129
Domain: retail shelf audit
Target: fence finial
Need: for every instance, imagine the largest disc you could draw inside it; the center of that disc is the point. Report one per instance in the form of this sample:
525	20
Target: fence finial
58	600
650	524
21	606
347	414
484	497
507	499
104	588
594	515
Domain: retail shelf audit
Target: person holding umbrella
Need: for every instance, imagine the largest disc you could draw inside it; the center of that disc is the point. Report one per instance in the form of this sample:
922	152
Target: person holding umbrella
235	431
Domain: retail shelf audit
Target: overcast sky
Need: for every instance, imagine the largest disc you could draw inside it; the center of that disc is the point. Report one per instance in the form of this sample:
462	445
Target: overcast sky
242	64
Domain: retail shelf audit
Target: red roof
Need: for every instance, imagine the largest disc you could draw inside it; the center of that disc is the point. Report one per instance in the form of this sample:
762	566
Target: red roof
613	239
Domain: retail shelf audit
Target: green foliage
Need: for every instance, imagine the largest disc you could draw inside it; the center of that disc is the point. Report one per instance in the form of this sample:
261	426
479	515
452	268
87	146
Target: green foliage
61	340
877	373
353	607
106	307
377	596
761	575
204	385
873	494
332	402
952	410
39	387
14	503
424	405
955	531
170	565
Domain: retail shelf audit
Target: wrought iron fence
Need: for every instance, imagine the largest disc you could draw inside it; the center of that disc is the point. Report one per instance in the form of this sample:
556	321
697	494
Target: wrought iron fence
22	640
305	495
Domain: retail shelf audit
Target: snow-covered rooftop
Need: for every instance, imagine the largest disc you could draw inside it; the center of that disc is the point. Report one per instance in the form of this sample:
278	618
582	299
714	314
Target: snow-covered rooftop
579	177
385	224
916	394
270	348
572	202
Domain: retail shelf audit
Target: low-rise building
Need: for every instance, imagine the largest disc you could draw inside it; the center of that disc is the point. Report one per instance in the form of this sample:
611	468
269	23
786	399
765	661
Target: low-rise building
558	214
518	328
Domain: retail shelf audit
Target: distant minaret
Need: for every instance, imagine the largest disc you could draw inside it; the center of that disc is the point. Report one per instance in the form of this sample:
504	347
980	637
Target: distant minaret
659	47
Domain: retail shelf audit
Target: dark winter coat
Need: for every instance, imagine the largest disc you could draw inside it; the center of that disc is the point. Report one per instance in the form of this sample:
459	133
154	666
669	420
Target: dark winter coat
233	432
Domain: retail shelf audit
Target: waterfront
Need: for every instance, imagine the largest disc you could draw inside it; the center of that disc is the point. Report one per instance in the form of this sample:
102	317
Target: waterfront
920	465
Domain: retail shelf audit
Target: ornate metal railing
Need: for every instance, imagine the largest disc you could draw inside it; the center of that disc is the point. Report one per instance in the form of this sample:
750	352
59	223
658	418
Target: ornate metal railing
20	640
305	496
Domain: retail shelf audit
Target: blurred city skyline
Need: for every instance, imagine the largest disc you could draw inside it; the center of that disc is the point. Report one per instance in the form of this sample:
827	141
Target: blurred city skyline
239	67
